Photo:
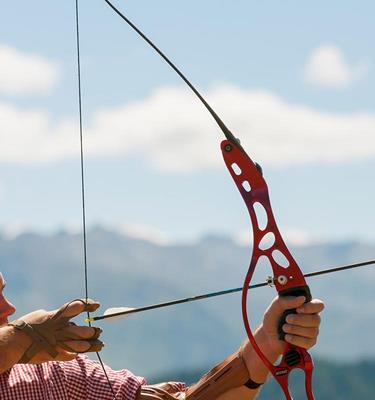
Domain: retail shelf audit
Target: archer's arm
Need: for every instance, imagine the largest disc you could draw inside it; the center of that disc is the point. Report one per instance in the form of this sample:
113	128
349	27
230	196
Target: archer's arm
301	329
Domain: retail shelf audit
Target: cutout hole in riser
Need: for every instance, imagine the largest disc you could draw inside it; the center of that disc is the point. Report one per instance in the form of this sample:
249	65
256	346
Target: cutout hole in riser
261	215
280	259
268	240
236	169
246	186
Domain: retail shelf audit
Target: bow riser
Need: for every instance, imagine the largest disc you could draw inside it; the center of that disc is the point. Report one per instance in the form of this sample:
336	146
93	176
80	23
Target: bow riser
268	242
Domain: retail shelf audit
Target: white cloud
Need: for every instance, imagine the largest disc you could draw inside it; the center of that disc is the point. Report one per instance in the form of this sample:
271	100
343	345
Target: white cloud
144	232
171	131
11	231
327	67
298	237
30	136
24	74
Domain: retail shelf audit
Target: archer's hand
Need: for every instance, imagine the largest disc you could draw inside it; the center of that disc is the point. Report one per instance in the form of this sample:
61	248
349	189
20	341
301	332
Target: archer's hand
67	338
301	329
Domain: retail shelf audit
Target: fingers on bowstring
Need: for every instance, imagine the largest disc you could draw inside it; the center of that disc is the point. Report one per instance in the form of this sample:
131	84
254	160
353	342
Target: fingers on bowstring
79	339
82	332
82	346
75	332
76	307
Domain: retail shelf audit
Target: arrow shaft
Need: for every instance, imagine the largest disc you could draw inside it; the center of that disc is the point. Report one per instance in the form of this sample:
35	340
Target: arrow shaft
226	291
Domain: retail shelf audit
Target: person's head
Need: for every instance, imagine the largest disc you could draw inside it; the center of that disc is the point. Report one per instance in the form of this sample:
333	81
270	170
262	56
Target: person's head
6	308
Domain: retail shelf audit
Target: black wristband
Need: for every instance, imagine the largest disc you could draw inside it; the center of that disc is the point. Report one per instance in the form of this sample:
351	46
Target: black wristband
252	385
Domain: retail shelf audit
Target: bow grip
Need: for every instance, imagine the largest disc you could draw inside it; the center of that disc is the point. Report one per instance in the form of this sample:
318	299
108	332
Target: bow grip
296	291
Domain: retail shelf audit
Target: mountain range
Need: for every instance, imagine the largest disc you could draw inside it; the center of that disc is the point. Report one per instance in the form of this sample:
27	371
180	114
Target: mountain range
44	271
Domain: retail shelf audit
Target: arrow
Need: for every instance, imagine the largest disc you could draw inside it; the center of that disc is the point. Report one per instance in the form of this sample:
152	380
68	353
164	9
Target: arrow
114	313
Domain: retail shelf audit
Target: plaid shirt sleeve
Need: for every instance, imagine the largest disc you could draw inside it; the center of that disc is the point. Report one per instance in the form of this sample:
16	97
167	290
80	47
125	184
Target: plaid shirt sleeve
80	379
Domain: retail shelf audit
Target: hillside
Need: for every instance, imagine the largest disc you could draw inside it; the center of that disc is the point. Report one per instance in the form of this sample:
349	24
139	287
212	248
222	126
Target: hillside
44	271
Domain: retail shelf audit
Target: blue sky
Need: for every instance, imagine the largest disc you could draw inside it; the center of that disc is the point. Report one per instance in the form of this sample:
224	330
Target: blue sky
294	80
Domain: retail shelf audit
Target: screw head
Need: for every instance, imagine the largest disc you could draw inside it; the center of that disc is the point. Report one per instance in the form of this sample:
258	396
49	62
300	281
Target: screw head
282	279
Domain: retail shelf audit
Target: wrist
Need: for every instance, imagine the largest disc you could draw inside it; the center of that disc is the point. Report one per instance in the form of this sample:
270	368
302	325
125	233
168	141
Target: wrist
258	371
267	344
13	343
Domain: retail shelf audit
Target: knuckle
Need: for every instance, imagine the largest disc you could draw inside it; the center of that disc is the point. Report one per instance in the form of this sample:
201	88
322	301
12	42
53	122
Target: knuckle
313	333
321	305
311	320
315	320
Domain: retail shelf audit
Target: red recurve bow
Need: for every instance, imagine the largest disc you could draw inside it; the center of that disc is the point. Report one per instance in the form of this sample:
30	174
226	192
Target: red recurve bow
287	276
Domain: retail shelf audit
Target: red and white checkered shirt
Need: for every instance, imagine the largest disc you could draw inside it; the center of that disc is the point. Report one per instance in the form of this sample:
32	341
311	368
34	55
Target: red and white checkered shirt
80	379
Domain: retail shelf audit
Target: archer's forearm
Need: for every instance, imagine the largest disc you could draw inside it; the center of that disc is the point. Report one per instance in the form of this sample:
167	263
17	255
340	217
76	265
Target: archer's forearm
238	377
258	372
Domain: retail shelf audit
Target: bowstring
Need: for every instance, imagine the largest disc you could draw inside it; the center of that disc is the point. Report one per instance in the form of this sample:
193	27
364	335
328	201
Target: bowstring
83	186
